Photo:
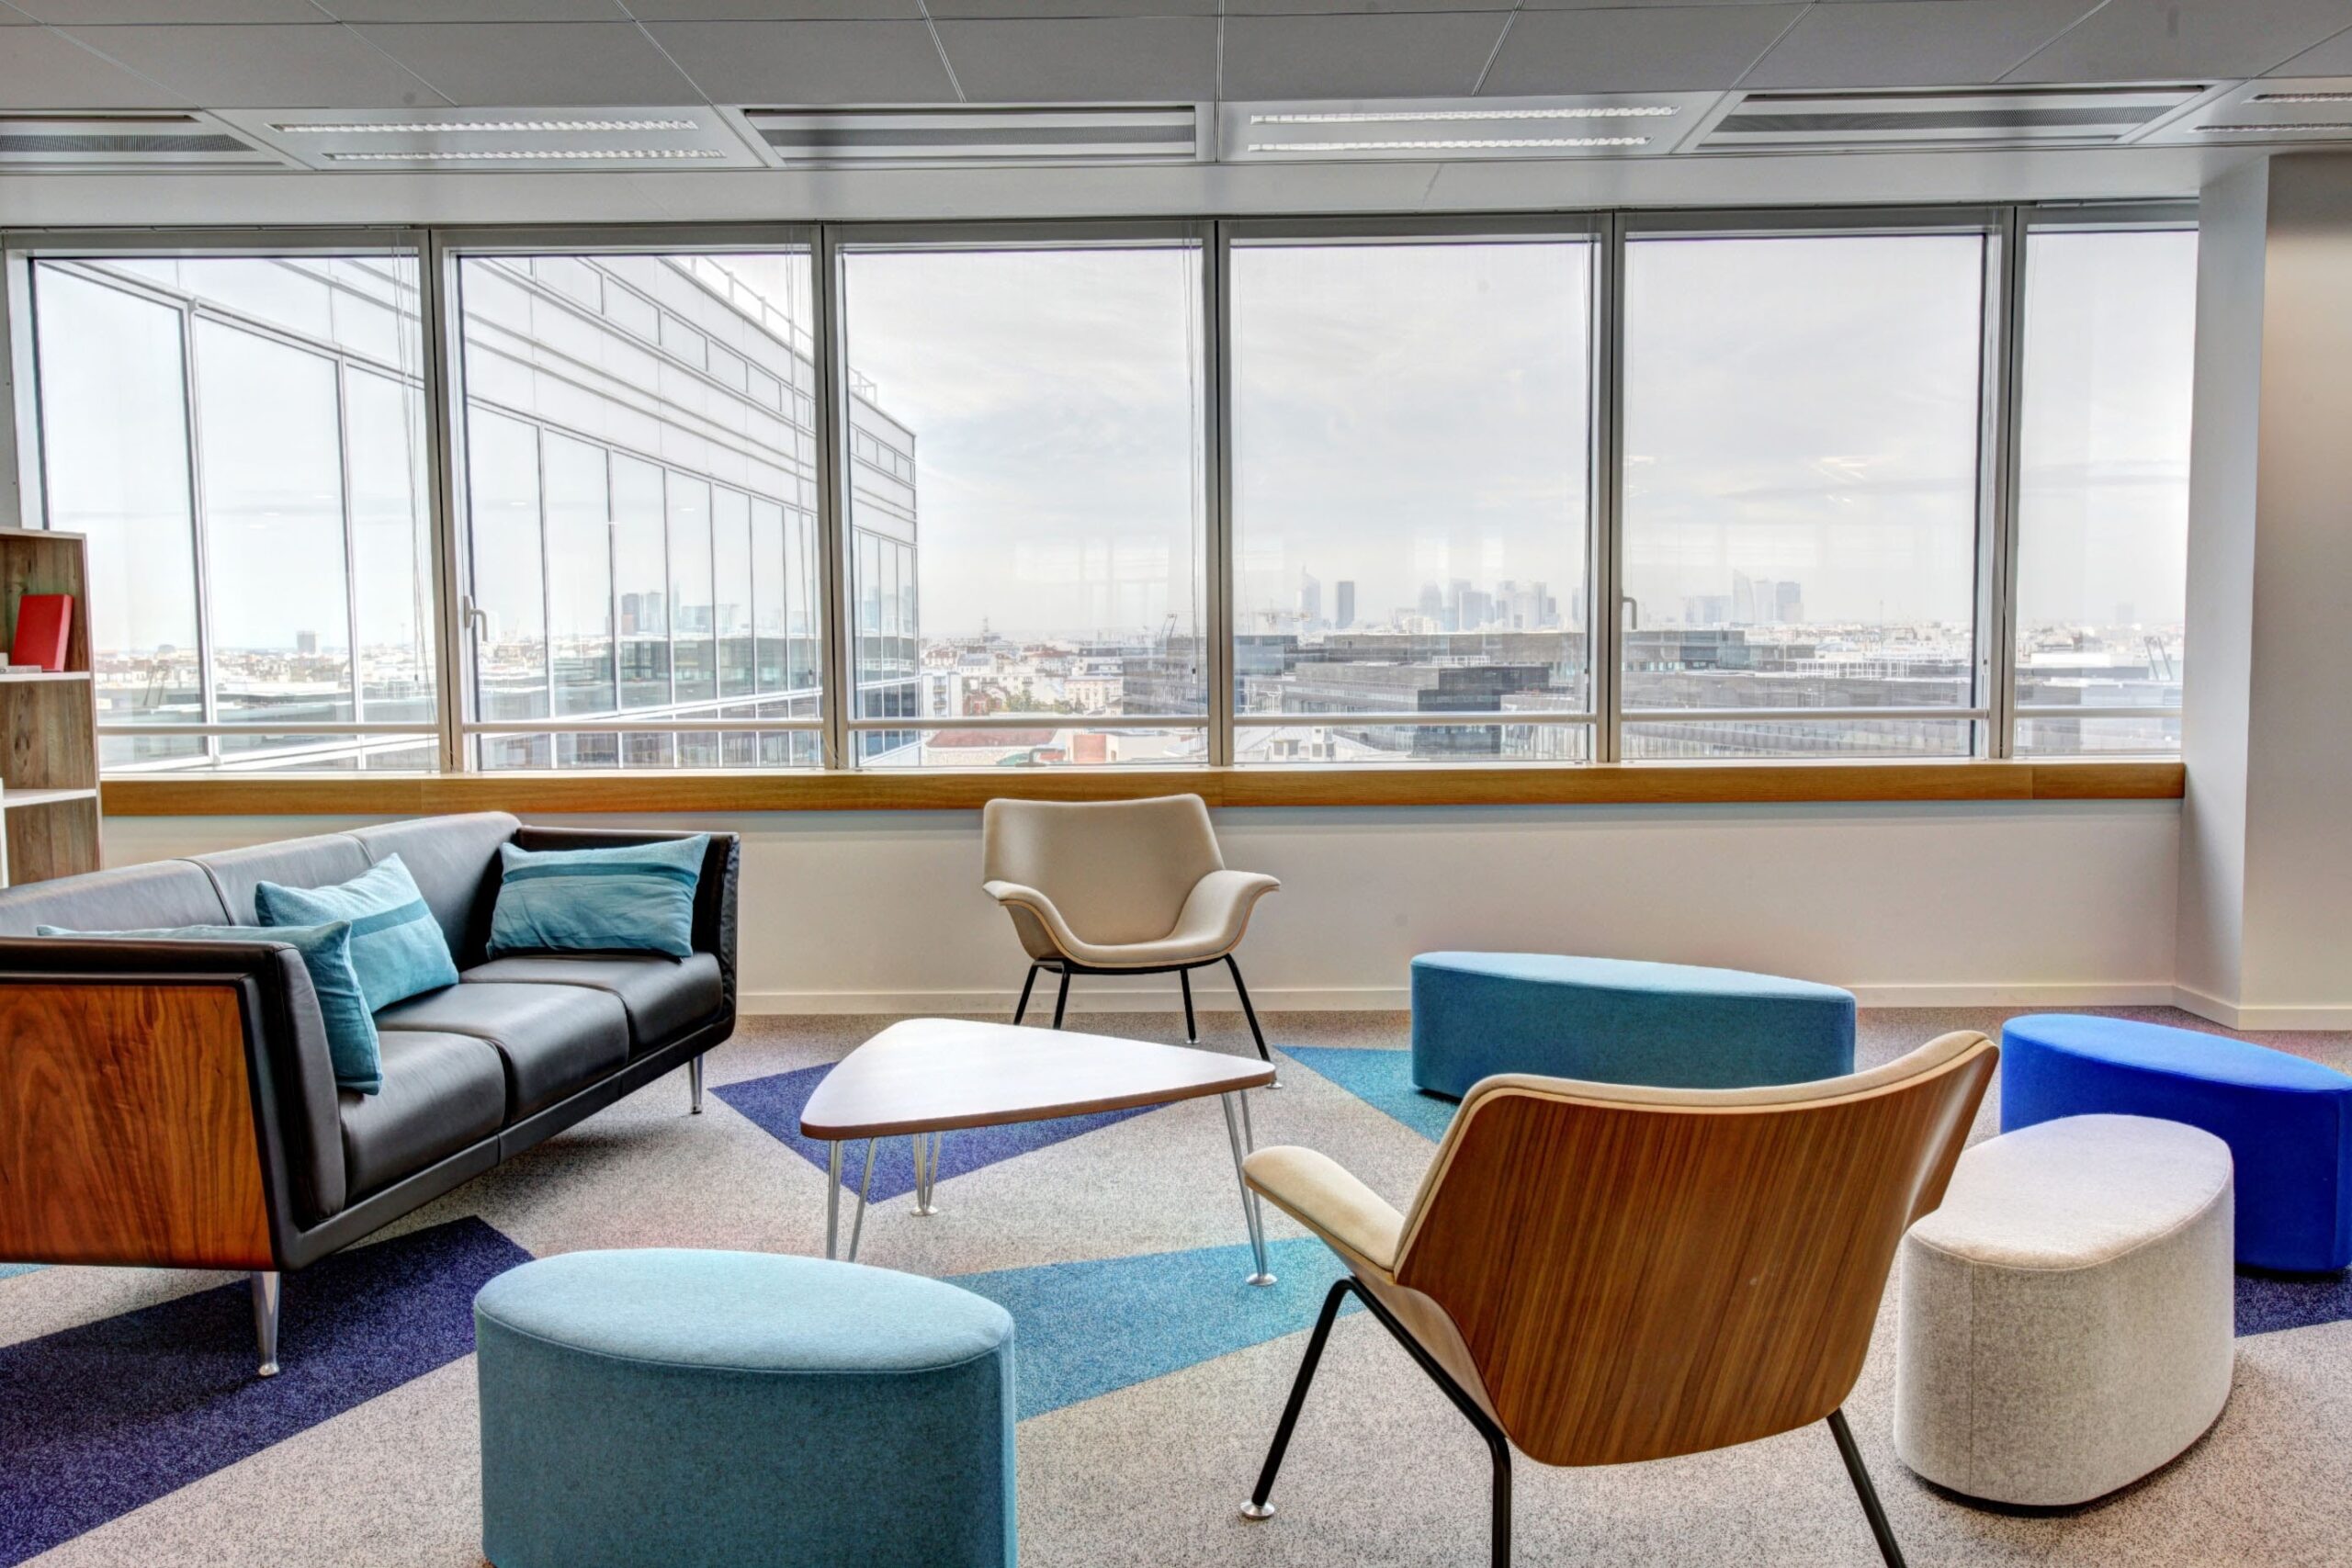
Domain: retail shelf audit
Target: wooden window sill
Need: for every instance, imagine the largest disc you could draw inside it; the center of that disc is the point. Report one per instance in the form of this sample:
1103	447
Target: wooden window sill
1621	783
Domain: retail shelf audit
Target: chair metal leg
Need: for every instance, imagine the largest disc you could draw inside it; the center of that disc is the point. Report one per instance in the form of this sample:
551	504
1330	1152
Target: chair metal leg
265	1297
1251	1014
1021	1008
1061	998
1191	1029
1258	1507
1871	1509
1237	1133
1498	1445
694	1085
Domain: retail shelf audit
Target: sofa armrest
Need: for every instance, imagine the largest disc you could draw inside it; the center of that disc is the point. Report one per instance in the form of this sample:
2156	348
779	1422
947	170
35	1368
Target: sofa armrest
163	1103
714	930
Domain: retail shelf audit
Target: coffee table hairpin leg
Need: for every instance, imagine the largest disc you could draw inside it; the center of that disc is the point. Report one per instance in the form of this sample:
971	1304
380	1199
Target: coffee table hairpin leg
1238	1134
926	1150
833	1197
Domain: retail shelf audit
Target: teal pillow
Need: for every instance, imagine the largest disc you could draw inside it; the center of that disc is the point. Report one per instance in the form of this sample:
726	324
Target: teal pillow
635	898
326	954
397	948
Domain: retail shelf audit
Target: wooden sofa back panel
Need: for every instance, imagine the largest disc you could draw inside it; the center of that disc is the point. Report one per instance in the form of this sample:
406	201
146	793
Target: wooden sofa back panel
127	1132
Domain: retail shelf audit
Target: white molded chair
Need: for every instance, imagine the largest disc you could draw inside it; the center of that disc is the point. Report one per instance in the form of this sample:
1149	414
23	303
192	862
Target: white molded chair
1119	887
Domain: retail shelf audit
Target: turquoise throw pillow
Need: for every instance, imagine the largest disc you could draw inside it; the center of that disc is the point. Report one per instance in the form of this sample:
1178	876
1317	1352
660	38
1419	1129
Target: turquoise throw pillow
352	1046
397	948
635	898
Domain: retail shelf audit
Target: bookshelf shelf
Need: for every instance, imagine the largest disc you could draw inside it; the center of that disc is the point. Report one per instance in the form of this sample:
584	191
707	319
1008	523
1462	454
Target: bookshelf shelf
48	742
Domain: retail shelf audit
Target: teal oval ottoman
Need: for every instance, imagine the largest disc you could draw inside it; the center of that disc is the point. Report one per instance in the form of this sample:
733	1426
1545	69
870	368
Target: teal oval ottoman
1618	1021
716	1409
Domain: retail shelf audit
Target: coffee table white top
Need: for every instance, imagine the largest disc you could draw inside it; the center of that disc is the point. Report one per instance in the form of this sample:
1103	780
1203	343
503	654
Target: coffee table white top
930	1075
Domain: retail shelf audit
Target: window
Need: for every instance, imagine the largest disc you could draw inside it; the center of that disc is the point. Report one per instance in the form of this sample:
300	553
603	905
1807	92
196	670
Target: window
2103	490
1025	504
1801	480
1412	460
241	438
633	511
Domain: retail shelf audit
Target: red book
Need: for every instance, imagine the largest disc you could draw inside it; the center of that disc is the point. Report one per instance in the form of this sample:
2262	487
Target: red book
42	622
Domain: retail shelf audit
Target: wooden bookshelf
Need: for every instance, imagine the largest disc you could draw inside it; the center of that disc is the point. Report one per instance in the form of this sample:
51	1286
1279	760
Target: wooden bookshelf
48	733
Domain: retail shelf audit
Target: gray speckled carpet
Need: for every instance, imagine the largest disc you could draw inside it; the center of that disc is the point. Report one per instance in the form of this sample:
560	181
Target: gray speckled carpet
1151	1378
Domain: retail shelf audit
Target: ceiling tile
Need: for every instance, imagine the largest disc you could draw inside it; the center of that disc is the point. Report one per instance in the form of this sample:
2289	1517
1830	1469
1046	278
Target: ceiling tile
2142	40
1354	7
93	12
1912	44
40	69
1686	48
1401	56
2333	58
477	10
775	10
781	63
325	66
963	10
1109	61
573	63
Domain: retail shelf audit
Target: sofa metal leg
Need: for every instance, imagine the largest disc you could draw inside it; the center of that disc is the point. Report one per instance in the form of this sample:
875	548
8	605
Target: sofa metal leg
1191	1029
265	1297
1251	1014
1061	998
694	1085
1871	1509
1021	1008
1258	1507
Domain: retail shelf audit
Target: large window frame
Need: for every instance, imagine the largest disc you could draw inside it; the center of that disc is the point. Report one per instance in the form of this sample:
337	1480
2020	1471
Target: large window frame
1993	714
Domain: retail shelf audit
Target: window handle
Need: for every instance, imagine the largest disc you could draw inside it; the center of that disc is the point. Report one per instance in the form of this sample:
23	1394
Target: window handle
477	619
1627	604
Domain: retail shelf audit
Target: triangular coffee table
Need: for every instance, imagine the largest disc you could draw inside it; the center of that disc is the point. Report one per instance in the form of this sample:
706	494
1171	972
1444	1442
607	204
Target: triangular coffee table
929	1076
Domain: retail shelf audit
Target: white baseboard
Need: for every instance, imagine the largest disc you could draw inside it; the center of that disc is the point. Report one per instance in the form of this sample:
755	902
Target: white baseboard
2230	1015
1096	995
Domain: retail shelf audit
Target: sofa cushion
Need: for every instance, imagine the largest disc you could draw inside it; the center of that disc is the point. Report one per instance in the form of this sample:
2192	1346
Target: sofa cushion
397	949
663	997
319	862
161	893
441	1092
623	899
554	1038
455	863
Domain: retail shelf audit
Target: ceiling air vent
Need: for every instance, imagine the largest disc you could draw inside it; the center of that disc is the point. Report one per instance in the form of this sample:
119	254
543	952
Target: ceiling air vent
492	139
2023	116
839	139
1588	125
2273	111
97	143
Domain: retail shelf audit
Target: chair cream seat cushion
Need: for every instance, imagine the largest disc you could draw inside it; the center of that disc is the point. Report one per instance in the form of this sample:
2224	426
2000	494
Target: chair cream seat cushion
1209	925
2067	1316
1328	1199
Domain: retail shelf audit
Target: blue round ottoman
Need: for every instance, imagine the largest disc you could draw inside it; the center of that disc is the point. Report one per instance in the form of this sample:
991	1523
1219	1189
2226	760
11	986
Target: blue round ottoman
2288	1121
1616	1020
709	1409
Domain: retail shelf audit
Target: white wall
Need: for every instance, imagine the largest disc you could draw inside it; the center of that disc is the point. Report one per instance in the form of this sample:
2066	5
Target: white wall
2044	903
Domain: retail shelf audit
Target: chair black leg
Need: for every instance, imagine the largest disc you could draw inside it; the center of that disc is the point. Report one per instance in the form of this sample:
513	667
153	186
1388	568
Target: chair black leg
1191	1029
1061	998
1247	1011
1852	1455
1021	1008
1258	1507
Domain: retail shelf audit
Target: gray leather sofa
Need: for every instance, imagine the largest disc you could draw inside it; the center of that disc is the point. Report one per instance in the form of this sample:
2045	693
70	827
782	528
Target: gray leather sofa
172	1103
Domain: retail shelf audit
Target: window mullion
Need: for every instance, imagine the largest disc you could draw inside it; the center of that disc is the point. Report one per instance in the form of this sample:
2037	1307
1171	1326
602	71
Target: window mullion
1217	343
1997	604
1605	590
831	409
443	384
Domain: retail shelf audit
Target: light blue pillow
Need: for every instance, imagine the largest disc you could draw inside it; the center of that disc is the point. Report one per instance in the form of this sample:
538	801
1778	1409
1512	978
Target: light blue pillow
635	898
397	948
352	1046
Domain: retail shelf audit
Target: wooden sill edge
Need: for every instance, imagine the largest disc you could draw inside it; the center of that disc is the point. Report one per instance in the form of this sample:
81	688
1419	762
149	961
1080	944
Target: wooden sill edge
1426	785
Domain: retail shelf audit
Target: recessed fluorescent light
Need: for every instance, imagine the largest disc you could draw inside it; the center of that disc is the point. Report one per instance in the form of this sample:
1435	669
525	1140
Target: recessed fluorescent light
2258	129
1461	144
2300	98
390	129
561	154
1382	116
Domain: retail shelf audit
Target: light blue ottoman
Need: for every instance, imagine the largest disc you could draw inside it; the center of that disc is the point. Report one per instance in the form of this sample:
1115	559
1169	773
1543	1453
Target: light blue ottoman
715	1409
1617	1020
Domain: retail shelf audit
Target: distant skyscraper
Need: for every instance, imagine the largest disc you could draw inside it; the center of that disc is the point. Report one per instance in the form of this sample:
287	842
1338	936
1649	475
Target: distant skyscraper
1433	604
1344	612
1455	592
1310	601
306	644
1788	603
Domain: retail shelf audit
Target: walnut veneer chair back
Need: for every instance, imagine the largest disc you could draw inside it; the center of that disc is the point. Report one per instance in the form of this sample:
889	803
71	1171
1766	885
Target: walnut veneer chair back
1636	1273
1118	871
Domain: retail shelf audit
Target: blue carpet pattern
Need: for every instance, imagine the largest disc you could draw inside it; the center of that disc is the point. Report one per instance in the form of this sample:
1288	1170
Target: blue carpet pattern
1382	1080
10	1270
774	1104
105	1418
1087	1328
2268	1303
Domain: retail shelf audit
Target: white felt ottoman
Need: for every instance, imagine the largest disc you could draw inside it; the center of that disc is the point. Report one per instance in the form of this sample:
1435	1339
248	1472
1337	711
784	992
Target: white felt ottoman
2067	1315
